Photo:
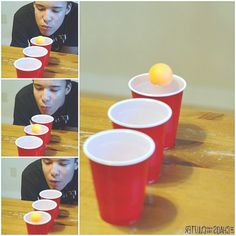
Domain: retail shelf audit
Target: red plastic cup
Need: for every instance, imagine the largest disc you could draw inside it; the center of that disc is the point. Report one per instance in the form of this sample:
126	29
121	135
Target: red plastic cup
28	67
41	227
119	164
38	53
30	146
54	195
47	44
148	116
43	132
48	206
171	94
46	120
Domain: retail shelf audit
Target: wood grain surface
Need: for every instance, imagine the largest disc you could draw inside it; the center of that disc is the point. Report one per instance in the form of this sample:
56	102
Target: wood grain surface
61	65
63	142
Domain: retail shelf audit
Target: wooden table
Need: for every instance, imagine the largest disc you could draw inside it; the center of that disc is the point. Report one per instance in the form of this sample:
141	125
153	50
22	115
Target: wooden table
61	65
196	187
13	211
63	142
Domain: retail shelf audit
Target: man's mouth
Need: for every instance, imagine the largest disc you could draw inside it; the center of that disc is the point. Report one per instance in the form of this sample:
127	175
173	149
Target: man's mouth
45	108
46	27
54	183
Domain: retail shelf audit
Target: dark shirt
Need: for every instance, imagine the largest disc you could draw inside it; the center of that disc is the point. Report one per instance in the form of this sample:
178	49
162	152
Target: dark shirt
33	182
26	107
25	28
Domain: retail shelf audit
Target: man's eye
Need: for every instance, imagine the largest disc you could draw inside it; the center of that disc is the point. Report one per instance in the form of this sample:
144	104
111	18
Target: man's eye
38	88
54	90
56	11
40	8
63	164
47	162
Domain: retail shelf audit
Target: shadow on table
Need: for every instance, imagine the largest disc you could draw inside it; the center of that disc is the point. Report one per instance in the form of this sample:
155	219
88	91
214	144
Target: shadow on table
58	226
158	212
50	149
173	170
189	136
48	72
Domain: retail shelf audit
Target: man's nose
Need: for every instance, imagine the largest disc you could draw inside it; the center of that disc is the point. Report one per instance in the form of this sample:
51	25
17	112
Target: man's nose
47	16
46	95
55	170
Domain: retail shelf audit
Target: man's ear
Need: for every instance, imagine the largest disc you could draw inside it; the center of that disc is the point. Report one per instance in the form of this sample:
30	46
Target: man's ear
68	8
68	88
76	164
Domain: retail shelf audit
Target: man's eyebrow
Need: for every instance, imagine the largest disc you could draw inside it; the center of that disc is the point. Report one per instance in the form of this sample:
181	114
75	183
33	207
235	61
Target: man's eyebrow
64	160
57	7
52	86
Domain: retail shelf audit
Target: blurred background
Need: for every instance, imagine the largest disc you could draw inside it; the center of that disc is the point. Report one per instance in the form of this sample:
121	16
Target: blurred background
12	169
122	39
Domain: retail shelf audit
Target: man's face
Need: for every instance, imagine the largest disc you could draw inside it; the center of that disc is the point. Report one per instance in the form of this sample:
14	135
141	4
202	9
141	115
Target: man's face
50	95
49	15
58	172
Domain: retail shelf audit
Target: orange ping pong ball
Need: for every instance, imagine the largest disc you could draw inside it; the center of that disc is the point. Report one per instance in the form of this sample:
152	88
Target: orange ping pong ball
35	217
36	128
160	74
40	40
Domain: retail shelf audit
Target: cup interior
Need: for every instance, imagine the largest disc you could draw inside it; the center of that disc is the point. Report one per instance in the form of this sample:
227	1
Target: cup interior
50	194
46	217
35	51
139	113
141	84
43	130
28	64
42	119
119	147
47	41
29	142
44	205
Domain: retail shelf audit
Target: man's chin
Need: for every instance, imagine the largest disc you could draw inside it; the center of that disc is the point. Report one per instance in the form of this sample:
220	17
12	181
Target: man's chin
47	33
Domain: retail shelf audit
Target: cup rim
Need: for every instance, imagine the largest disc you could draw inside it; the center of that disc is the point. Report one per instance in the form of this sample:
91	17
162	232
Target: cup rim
59	193
37	223
46	129
28	59
40	142
137	100
119	163
42	44
44	51
176	77
54	205
51	118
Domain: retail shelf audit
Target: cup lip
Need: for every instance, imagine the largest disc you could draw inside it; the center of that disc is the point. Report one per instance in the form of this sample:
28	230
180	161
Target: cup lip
37	223
51	190
54	205
29	137
46	129
45	115
42	44
119	163
28	59
44	51
176	77
137	100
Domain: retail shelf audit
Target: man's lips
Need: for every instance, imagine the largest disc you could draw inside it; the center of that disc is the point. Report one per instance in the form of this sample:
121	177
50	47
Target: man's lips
45	108
46	27
54	182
